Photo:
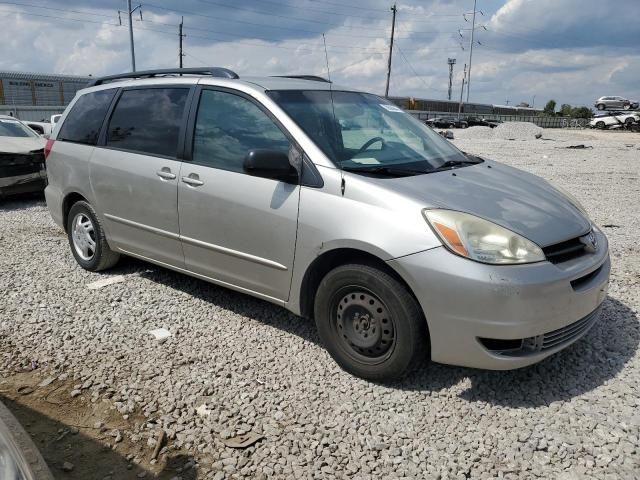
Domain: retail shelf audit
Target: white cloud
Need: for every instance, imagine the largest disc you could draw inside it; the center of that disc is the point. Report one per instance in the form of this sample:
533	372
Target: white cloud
514	61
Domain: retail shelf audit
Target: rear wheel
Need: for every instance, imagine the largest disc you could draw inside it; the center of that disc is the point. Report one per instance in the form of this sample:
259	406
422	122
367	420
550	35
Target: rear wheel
370	323
87	240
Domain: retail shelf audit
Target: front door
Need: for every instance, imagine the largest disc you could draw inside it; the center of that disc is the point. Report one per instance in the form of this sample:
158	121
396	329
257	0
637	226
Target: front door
134	174
235	228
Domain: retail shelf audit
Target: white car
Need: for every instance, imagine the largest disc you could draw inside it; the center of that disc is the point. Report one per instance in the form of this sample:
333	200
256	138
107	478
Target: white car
614	120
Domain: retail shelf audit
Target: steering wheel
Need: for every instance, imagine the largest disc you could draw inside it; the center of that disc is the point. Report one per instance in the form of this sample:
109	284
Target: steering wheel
369	143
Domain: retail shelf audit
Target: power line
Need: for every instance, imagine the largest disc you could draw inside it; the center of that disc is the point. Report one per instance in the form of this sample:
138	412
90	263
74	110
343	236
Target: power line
416	75
238	35
349	6
327	12
57	17
57	9
244	9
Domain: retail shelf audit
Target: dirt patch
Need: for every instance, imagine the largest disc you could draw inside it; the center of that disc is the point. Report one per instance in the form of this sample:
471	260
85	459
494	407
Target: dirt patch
90	436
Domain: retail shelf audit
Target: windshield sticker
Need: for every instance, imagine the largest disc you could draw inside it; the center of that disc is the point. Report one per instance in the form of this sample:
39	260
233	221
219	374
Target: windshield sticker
391	108
366	161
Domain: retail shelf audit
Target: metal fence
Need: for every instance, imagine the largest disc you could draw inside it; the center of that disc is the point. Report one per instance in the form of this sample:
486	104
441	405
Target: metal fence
541	121
31	113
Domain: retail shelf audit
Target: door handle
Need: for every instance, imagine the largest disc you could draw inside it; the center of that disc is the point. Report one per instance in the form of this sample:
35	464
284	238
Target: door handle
165	173
193	180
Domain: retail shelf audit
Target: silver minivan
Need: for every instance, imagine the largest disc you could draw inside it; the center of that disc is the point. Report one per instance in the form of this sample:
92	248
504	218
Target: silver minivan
334	204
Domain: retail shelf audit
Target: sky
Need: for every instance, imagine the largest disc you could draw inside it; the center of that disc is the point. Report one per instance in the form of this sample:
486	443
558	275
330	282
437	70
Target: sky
573	51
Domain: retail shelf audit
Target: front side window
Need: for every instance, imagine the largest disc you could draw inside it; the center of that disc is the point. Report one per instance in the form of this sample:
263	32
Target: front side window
148	121
363	131
228	126
84	121
13	128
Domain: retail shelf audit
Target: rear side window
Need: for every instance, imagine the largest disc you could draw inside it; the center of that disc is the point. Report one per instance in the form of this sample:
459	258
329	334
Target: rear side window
83	122
148	121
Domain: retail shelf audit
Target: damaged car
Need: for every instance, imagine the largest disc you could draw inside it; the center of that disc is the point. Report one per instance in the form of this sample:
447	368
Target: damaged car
22	168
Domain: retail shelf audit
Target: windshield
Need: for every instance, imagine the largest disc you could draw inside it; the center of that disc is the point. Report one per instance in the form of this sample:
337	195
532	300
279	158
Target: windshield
367	132
13	128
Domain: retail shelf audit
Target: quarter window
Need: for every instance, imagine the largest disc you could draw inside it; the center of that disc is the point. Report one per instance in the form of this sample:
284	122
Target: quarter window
228	126
84	121
148	120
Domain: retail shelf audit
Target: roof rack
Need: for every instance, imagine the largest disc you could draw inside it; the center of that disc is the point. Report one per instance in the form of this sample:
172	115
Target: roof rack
211	71
314	78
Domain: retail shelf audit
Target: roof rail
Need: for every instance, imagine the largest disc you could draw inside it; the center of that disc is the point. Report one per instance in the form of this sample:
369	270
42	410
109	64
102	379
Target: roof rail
314	78
212	71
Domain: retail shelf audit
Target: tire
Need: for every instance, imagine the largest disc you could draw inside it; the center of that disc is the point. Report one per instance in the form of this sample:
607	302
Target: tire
601	106
629	121
626	107
452	126
88	243
600	125
363	304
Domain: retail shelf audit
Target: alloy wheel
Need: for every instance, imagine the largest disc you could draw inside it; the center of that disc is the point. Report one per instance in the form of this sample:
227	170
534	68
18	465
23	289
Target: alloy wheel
84	237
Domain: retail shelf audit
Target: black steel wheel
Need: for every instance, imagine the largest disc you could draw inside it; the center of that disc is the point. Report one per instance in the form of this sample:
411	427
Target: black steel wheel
363	324
370	323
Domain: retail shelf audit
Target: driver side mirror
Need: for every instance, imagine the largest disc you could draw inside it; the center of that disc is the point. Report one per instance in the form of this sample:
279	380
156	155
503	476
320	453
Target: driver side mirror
272	164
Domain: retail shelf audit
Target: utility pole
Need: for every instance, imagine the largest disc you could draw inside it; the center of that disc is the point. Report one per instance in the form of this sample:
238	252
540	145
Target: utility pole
133	50
130	14
464	76
473	29
393	29
181	36
451	62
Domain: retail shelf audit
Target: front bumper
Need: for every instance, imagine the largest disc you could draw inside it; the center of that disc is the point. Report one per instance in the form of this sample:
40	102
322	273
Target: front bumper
466	301
35	181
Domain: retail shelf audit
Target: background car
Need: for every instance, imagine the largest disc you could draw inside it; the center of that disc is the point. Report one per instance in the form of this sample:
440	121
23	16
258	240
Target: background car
21	158
41	128
446	122
614	119
481	122
613	102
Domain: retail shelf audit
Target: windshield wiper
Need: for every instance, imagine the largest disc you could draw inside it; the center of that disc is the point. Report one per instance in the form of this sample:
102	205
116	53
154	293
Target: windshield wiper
382	170
449	164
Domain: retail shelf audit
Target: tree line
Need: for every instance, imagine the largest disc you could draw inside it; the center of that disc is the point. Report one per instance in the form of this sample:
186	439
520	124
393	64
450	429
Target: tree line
566	110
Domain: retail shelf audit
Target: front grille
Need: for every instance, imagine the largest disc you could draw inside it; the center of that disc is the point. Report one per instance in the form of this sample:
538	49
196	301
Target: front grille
567	334
541	343
564	251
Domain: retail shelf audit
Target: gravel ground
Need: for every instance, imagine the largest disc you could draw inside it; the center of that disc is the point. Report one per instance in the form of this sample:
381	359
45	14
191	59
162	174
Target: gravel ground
257	368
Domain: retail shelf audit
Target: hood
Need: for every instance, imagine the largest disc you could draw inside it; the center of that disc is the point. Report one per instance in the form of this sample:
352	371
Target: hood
21	144
517	200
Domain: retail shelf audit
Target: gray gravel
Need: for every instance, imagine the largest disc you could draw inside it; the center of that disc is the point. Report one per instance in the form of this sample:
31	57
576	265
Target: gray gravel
247	366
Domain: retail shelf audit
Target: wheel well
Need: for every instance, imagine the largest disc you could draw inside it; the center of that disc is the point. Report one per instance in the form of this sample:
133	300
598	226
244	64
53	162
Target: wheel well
330	260
67	203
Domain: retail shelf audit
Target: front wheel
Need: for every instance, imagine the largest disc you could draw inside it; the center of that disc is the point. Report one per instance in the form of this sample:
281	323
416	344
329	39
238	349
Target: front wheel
370	323
600	106
87	240
600	125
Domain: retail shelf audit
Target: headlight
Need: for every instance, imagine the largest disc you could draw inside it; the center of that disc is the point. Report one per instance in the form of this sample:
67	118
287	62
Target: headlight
478	239
573	200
